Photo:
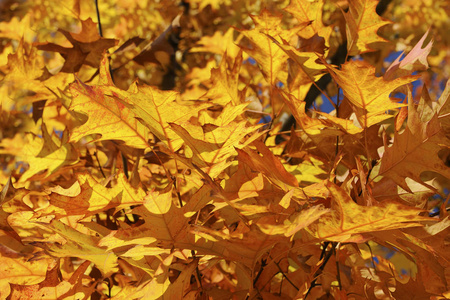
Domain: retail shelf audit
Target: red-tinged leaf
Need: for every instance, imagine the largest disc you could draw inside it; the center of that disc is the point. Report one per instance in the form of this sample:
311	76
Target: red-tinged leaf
362	26
348	220
107	112
416	60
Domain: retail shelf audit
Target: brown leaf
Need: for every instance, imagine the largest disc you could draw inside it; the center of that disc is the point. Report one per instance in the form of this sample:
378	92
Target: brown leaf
88	47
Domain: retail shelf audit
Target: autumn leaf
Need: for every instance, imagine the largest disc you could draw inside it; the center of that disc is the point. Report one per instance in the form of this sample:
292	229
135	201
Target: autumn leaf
310	13
420	143
20	271
88	47
269	56
348	220
80	245
267	164
28	80
49	153
362	26
416	60
228	183
88	197
215	44
107	114
368	94
225	81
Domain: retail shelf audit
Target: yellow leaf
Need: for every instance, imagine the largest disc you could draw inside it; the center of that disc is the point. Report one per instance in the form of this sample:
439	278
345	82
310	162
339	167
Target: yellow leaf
83	246
211	146
48	153
153	289
107	113
159	203
21	271
219	44
347	219
297	222
265	51
362	26
310	13
88	197
368	94
225	81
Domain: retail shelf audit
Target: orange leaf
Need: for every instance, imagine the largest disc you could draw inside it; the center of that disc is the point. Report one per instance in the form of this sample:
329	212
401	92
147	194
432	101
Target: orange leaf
415	150
267	164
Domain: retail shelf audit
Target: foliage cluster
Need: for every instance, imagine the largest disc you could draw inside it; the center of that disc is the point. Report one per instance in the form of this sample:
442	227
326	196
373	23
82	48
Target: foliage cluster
145	158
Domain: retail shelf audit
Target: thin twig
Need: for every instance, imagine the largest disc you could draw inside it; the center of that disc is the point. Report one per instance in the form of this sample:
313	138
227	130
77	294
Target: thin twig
174	180
98	162
263	264
285	276
100	31
336	253
199	275
326	257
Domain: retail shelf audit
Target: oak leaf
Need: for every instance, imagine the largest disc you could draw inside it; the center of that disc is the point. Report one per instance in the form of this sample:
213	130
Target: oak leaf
88	197
416	60
88	47
49	153
348	220
265	51
415	150
80	245
368	94
362	26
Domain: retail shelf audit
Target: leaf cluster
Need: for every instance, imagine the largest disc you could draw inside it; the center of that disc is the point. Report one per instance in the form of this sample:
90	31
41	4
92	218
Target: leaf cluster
143	155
